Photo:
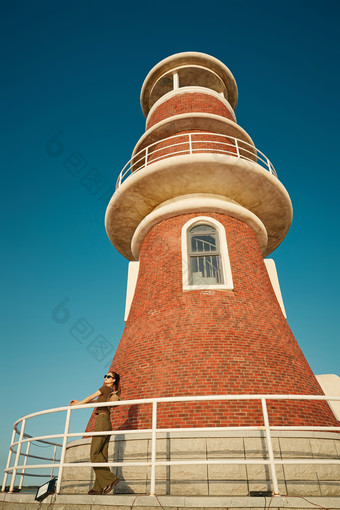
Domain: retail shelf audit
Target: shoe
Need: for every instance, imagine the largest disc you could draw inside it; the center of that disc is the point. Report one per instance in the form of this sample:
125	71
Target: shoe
94	493
109	488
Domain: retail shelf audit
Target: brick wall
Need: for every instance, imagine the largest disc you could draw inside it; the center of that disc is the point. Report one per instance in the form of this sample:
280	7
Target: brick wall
210	342
188	103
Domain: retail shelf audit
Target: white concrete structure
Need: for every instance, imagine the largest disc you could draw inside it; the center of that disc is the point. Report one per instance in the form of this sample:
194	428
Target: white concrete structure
330	383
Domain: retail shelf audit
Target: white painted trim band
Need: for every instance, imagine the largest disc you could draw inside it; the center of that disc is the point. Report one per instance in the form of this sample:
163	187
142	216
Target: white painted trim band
191	121
198	203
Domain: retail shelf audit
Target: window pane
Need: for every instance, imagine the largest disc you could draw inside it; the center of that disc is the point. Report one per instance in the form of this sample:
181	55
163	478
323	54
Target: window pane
203	243
193	265
202	228
205	263
205	270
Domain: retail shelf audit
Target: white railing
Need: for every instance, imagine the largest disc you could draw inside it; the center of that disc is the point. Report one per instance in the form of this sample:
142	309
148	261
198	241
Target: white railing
191	143
25	439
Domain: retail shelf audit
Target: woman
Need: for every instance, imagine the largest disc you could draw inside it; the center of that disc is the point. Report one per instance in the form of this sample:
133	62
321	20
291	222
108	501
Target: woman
105	479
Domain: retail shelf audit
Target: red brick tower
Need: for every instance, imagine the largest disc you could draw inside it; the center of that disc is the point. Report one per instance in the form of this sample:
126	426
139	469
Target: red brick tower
197	210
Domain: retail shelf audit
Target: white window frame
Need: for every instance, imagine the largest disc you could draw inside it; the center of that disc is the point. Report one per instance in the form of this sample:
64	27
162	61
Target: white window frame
224	254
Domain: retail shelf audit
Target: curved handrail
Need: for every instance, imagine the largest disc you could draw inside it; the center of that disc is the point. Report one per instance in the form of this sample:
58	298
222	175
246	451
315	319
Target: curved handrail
229	146
60	463
198	398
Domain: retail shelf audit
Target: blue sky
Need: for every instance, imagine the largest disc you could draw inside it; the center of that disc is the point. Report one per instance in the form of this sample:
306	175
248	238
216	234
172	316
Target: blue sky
72	78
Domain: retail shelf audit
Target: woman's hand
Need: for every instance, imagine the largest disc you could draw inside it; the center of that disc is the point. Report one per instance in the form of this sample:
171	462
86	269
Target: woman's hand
86	400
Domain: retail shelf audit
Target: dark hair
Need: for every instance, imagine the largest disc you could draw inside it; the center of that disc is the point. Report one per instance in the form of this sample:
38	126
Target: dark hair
117	379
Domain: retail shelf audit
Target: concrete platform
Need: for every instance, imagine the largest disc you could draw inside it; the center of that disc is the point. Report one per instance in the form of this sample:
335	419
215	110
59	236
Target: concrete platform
142	502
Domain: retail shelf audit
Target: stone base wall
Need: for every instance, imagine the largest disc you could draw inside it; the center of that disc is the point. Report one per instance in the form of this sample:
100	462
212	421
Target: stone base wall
213	480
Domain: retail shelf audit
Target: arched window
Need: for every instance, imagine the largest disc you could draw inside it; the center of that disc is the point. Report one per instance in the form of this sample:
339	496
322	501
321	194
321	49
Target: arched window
205	259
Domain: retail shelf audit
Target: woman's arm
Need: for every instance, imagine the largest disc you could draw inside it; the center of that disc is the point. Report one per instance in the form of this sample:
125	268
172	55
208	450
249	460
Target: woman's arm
86	400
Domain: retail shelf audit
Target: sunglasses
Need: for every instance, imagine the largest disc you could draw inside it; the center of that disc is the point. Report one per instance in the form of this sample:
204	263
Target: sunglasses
108	377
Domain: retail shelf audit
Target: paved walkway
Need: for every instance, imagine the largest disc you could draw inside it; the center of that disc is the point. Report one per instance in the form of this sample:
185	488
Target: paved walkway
142	502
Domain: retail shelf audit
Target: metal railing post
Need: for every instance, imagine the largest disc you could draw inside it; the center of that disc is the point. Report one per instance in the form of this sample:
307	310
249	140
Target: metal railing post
8	461
54	456
175	81
270	447
153	449
190	144
119	181
146	157
237	148
63	449
17	455
25	462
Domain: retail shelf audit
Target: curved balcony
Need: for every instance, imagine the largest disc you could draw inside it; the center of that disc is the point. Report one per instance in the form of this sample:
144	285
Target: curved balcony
194	143
266	434
184	69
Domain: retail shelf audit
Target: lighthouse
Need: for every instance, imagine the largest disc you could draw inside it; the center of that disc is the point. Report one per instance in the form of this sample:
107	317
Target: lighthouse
197	210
